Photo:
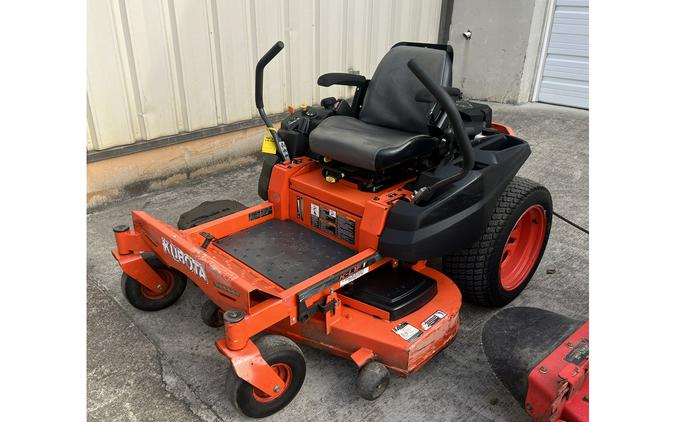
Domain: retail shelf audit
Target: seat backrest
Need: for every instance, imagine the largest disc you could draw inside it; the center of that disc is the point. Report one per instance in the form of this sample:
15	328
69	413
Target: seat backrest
390	97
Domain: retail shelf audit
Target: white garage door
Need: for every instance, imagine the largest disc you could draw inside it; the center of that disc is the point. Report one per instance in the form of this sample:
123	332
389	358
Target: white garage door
564	79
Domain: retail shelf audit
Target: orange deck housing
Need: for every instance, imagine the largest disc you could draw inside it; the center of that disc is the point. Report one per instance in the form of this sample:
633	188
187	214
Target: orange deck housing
352	328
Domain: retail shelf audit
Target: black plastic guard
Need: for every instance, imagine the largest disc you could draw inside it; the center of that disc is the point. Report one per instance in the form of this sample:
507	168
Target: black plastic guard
269	160
400	291
208	211
456	218
516	339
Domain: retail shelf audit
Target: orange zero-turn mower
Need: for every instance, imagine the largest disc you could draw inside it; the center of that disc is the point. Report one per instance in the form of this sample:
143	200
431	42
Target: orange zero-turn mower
358	195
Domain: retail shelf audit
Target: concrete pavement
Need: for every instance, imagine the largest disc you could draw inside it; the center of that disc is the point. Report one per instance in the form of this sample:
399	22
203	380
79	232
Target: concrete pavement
163	365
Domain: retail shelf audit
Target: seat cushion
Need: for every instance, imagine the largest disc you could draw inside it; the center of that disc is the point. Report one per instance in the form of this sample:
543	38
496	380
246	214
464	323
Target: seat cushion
351	141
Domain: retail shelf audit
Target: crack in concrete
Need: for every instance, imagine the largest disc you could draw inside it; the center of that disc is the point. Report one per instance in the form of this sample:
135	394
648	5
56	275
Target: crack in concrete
178	387
172	382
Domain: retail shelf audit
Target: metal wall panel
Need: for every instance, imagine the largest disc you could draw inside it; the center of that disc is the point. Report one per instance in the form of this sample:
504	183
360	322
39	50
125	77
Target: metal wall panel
152	67
234	53
564	78
110	114
161	67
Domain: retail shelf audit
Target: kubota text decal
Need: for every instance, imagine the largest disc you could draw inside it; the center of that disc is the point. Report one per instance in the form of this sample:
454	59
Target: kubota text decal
181	257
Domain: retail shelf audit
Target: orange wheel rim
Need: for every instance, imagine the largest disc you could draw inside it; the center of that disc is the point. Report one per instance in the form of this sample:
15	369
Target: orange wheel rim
522	247
285	373
168	278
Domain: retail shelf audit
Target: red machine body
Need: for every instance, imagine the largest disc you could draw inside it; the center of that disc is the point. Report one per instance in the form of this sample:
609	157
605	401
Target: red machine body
542	358
558	385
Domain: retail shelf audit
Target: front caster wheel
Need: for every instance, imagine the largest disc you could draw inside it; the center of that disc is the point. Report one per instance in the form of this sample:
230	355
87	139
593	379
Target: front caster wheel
497	267
211	314
373	379
286	358
142	298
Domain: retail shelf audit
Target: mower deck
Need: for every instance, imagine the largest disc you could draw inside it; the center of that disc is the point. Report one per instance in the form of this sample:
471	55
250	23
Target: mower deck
303	252
287	275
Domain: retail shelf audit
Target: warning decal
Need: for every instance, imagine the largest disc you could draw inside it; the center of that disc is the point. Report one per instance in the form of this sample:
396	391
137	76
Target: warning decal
433	319
579	353
329	221
353	276
407	332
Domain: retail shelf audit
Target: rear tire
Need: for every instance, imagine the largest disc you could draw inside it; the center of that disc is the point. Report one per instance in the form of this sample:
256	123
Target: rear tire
287	359
498	266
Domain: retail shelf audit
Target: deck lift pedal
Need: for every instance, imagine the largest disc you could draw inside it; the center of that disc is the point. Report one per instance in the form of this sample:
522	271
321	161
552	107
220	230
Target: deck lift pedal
358	196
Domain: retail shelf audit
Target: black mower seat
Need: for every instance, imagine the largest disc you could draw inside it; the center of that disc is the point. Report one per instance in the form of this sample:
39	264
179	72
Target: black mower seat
351	141
392	125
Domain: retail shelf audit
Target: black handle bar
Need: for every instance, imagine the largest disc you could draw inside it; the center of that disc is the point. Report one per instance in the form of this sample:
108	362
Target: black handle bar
259	71
450	108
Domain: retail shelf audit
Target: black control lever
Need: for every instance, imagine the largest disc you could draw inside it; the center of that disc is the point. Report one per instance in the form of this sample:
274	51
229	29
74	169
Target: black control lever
450	108
259	72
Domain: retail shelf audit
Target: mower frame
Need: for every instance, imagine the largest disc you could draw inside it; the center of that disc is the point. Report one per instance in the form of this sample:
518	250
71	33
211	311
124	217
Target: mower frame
313	311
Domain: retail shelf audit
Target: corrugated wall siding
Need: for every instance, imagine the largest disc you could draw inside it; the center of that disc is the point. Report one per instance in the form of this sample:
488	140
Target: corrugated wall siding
162	67
565	74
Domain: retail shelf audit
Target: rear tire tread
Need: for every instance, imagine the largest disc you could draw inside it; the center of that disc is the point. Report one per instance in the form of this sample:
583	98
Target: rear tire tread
470	268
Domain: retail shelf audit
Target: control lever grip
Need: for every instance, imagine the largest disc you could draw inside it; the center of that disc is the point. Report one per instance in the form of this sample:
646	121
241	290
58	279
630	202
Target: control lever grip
259	71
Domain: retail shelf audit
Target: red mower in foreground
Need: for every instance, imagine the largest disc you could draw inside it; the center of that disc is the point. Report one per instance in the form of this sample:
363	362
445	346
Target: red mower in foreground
358	195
